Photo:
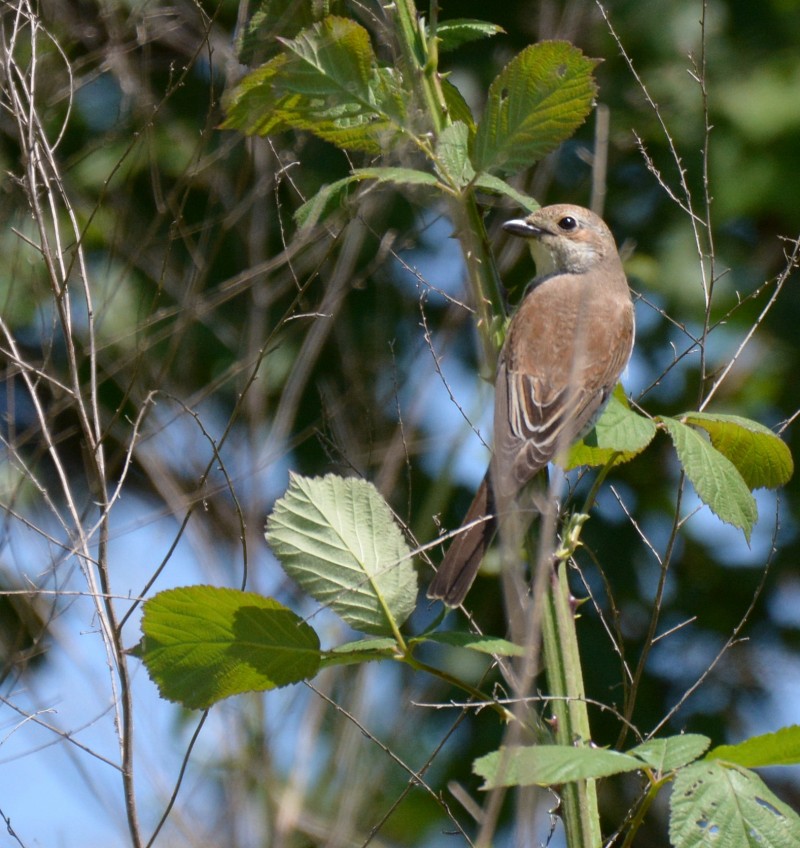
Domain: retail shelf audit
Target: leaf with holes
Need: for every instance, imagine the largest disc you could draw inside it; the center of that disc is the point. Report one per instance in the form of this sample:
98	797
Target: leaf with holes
714	805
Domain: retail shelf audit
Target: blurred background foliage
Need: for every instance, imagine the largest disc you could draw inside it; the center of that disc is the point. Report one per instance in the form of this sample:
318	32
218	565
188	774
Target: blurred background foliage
350	349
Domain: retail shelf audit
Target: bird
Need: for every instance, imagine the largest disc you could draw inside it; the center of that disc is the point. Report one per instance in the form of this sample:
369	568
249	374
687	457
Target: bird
565	349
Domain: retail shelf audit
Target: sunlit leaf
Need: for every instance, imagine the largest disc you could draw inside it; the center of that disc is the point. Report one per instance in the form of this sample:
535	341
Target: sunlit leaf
620	433
781	748
715	478
762	458
202	644
326	81
537	101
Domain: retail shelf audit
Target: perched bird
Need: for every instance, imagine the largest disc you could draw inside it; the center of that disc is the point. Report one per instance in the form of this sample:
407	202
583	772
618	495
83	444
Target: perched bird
565	348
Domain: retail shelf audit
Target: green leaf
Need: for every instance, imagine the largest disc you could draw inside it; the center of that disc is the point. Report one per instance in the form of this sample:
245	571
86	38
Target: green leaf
620	433
762	458
327	82
331	197
202	644
537	101
458	31
360	651
338	539
398	176
457	107
452	154
715	478
495	185
475	642
547	765
719	807
324	203
781	748
278	18
664	755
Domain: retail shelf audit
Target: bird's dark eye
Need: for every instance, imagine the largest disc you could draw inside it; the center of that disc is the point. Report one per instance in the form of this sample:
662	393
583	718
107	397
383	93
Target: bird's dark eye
568	223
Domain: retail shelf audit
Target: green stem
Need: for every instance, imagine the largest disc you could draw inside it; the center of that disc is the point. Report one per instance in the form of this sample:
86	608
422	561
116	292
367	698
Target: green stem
484	281
420	63
420	56
636	823
565	684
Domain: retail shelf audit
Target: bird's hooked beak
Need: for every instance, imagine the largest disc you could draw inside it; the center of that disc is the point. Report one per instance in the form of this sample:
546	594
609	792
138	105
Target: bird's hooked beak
521	227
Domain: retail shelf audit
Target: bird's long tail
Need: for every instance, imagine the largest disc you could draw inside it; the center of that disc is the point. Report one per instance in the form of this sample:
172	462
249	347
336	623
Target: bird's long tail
463	557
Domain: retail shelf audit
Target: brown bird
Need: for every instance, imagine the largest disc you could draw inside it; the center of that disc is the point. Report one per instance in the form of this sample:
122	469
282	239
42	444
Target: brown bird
565	349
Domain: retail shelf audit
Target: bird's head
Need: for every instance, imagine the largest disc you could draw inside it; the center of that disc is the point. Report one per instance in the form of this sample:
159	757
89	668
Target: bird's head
564	238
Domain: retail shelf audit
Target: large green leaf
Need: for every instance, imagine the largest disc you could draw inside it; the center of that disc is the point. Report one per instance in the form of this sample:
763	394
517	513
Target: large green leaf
548	765
202	644
719	807
537	101
338	539
326	81
620	433
781	748
715	478
762	458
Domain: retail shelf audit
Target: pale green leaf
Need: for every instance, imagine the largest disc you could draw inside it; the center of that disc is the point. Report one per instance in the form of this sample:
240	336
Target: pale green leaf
664	755
713	806
458	31
547	765
338	539
762	458
202	644
537	101
781	748
452	154
715	478
620	433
